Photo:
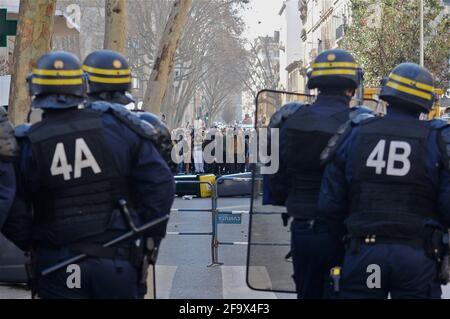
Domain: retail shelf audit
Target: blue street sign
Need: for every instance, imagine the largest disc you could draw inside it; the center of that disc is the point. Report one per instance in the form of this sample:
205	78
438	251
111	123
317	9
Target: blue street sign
229	218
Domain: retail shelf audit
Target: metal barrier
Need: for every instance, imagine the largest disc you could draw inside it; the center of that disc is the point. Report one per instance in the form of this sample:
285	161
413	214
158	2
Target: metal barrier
218	243
213	210
218	212
215	213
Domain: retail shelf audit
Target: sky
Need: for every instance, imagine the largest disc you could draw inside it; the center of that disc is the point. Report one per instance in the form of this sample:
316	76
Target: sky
262	18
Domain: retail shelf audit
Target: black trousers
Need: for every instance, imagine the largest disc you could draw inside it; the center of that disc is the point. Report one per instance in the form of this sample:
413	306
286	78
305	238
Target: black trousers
314	252
93	278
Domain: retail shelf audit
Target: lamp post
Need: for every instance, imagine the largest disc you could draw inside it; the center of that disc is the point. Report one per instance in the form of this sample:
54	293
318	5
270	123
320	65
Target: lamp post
421	34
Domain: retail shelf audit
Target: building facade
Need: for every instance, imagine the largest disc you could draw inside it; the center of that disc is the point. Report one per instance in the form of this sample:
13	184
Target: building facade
310	27
291	48
323	25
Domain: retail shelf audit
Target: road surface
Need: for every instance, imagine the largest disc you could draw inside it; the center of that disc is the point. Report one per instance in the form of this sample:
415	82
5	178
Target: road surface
182	271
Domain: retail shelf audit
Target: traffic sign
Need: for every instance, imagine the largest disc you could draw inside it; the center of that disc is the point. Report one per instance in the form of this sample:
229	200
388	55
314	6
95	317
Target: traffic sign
7	27
229	218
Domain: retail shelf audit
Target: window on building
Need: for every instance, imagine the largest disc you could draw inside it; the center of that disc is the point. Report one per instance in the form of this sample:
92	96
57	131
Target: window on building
339	32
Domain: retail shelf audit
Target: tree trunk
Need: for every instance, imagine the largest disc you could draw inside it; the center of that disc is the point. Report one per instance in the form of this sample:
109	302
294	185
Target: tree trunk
33	39
163	67
116	25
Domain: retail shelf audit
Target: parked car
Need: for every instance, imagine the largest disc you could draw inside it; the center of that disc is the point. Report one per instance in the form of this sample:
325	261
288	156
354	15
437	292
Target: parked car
12	263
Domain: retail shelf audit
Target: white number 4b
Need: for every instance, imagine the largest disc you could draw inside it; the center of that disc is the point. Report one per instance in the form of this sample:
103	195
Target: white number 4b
376	158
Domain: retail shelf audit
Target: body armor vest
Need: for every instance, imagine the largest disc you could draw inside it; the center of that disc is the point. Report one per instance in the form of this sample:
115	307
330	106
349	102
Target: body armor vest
307	136
391	193
80	184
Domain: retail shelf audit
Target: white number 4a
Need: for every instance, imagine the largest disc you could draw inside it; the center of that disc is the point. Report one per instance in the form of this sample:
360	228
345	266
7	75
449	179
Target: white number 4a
399	152
83	159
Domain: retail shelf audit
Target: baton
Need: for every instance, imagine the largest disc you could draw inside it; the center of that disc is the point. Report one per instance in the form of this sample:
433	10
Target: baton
110	243
126	215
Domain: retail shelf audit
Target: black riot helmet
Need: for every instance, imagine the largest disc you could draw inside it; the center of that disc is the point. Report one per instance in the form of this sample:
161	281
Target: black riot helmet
57	81
334	69
108	71
153	120
164	138
409	85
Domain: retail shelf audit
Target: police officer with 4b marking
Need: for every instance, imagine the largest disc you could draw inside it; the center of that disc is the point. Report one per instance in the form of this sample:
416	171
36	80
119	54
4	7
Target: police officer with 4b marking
80	169
389	178
109	83
304	133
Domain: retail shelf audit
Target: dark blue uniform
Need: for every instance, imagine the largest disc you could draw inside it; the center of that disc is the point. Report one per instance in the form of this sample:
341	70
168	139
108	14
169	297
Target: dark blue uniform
7	189
9	151
389	181
131	164
297	183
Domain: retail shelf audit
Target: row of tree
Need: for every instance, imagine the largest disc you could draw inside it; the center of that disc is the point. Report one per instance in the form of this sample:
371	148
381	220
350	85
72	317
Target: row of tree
184	51
384	33
213	62
209	50
34	38
180	51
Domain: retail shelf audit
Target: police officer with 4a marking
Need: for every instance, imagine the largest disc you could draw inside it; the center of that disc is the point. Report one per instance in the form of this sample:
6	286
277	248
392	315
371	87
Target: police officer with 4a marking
75	167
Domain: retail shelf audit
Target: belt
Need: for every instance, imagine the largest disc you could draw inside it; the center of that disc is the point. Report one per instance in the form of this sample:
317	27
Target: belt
304	220
97	250
309	222
373	240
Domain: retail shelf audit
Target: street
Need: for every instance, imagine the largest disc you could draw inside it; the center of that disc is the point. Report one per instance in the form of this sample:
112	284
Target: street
182	271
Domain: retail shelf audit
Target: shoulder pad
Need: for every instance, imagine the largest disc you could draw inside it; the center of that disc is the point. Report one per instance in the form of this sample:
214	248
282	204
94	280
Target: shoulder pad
9	148
100	106
280	116
444	141
445	133
163	139
22	130
335	142
438	123
360	114
142	128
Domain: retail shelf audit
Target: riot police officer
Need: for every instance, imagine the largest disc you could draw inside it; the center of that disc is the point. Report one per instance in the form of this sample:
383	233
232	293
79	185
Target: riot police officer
76	165
9	151
304	133
109	83
389	178
163	138
164	143
109	77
